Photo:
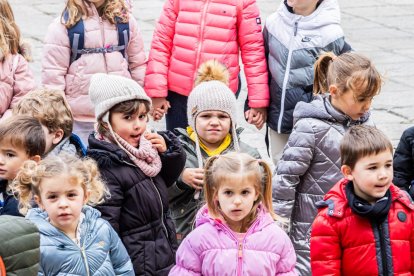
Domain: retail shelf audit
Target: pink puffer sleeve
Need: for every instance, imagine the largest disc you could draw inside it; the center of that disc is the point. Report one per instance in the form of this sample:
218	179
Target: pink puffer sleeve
56	56
136	54
187	259
156	79
253	55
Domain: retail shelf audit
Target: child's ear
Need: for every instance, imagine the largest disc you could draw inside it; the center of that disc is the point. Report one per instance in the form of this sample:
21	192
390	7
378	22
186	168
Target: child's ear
333	90
36	158
347	172
38	201
86	197
57	136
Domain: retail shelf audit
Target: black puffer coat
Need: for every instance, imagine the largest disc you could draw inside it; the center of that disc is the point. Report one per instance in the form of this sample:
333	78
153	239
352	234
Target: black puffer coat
138	207
404	162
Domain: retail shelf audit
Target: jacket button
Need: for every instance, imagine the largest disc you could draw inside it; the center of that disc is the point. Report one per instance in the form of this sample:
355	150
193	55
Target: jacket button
402	216
182	211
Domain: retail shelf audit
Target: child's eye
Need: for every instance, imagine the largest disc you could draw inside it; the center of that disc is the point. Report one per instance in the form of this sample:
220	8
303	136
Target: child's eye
372	168
223	117
228	193
205	116
142	116
127	117
72	195
51	197
10	155
245	192
388	165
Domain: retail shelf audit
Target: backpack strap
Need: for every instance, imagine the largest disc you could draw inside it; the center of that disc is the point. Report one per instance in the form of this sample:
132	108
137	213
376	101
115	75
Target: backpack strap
76	35
123	37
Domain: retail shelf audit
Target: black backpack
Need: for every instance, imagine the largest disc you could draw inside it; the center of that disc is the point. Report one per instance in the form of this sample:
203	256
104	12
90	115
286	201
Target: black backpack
77	40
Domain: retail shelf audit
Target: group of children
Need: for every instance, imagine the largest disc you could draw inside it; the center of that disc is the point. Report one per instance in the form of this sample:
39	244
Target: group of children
195	200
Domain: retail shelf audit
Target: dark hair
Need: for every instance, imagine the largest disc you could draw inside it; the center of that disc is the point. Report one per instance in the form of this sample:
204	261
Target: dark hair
360	141
24	132
128	107
349	71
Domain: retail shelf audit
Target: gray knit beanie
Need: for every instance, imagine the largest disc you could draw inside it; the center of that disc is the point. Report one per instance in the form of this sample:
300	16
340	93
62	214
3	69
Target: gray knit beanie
212	93
106	91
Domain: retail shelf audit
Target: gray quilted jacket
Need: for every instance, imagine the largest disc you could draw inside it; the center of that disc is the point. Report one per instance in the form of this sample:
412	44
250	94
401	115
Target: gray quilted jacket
309	167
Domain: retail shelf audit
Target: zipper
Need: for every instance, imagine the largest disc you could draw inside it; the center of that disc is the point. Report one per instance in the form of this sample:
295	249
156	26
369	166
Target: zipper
383	253
162	208
103	42
286	78
203	18
85	260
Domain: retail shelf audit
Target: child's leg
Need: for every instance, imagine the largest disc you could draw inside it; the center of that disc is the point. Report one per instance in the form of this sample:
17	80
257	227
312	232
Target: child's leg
83	130
277	144
177	113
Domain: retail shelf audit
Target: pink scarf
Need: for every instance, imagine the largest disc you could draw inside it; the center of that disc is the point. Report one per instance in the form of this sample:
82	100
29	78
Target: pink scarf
145	157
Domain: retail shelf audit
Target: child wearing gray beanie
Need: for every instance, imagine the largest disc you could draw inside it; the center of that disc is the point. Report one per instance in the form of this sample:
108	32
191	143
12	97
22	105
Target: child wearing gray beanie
211	114
137	166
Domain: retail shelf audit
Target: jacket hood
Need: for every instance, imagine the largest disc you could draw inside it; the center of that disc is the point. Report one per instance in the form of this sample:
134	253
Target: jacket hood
39	217
263	219
327	13
336	199
322	109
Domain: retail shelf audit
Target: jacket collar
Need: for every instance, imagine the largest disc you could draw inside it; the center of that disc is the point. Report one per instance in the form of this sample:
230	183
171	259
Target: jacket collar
336	201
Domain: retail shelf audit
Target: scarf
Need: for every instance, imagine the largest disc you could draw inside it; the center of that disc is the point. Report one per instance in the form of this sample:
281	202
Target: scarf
376	212
223	146
144	157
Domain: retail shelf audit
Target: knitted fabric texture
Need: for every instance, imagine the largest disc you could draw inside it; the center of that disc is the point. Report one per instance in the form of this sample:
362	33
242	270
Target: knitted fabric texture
106	91
212	95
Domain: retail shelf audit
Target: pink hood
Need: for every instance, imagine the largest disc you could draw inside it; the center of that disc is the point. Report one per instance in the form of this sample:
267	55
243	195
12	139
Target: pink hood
74	78
213	249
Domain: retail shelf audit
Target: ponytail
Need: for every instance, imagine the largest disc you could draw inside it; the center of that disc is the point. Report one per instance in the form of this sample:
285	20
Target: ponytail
267	188
320	83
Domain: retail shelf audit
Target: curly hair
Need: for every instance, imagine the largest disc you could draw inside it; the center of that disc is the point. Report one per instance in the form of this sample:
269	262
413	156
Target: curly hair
81	171
49	107
78	9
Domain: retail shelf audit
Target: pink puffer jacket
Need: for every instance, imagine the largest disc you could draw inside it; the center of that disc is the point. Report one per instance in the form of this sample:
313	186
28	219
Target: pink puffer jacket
16	80
206	30
213	249
74	79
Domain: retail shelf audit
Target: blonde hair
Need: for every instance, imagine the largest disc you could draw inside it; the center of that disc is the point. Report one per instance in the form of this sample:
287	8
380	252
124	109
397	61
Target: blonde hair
231	165
9	31
81	171
49	107
111	9
349	71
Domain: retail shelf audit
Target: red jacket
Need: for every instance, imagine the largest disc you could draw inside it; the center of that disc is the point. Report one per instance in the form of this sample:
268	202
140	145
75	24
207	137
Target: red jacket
204	30
343	243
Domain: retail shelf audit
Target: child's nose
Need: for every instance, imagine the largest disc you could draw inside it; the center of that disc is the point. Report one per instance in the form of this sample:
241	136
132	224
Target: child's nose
63	202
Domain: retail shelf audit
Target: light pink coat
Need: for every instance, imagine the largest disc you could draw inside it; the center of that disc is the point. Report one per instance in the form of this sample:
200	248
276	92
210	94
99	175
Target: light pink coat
16	79
74	79
213	249
204	30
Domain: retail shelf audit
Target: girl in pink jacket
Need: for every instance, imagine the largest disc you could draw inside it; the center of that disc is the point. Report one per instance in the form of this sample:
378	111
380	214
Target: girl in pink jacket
191	32
235	232
91	36
16	79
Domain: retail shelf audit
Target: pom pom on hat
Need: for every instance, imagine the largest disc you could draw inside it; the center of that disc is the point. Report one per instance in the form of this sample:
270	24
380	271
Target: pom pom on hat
106	91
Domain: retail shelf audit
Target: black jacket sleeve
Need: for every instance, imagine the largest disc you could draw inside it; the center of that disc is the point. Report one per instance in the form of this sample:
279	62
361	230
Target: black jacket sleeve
404	160
173	160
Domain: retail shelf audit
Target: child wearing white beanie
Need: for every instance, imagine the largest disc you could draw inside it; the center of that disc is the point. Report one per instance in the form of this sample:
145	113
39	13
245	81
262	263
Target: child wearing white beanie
211	114
137	166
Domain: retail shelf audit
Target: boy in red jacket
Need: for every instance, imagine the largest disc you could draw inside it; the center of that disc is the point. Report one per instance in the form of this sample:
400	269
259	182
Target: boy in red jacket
365	224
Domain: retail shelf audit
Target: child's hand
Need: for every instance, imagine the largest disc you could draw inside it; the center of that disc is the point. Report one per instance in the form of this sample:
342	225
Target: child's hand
193	177
256	116
157	141
159	108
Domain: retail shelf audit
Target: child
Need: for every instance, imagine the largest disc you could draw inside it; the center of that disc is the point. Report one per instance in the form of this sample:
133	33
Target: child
311	162
236	233
212	113
21	138
365	224
295	35
19	247
52	110
74	240
15	76
404	162
189	33
138	166
91	37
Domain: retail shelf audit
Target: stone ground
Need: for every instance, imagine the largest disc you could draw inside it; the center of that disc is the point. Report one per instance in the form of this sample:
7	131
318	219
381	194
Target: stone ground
381	29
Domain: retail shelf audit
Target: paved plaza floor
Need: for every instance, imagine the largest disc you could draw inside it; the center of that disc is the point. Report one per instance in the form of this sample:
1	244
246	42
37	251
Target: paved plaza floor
381	29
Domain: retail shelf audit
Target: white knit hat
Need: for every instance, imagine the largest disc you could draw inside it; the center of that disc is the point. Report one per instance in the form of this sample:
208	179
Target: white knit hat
212	93
106	91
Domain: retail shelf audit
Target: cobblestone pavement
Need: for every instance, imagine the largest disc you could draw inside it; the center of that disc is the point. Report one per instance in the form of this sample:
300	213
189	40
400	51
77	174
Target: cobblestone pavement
380	29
